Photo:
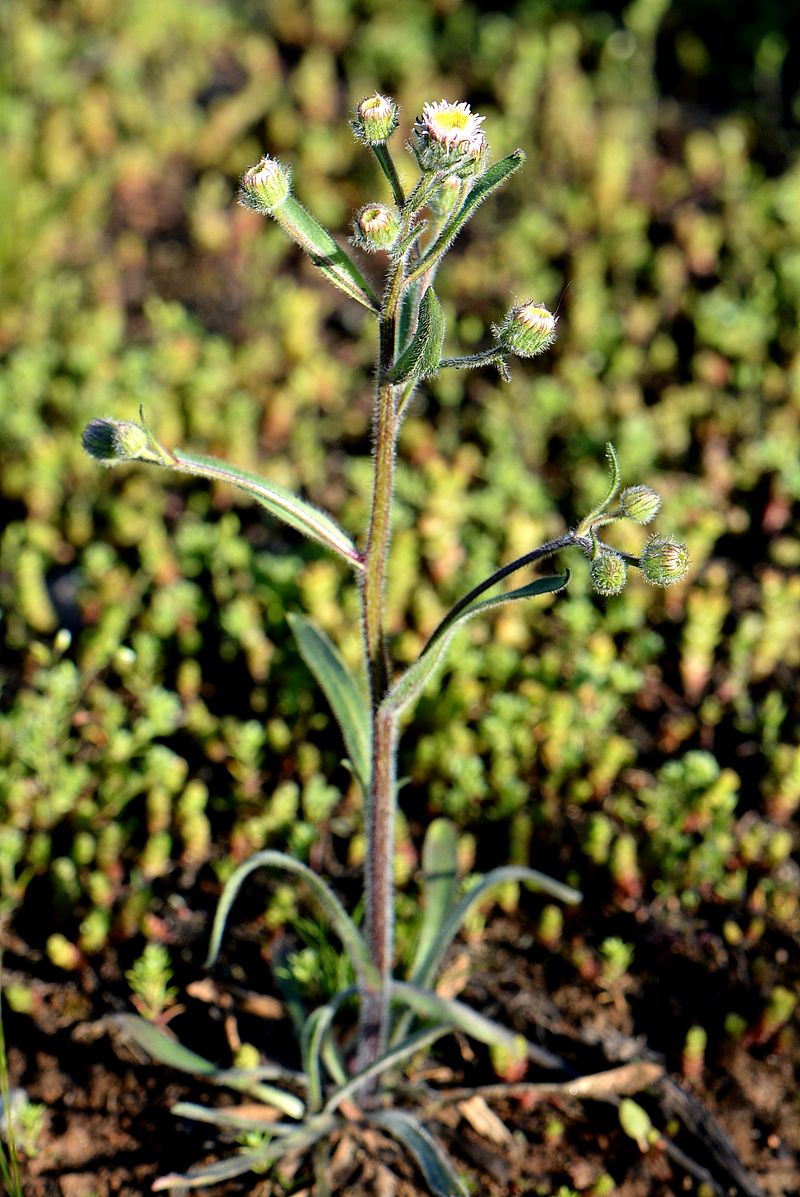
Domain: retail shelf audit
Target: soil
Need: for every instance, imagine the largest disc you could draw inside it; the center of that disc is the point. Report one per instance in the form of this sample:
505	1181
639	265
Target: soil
729	1124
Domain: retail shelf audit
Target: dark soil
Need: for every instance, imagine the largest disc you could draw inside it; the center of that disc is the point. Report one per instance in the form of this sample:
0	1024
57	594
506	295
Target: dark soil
731	1128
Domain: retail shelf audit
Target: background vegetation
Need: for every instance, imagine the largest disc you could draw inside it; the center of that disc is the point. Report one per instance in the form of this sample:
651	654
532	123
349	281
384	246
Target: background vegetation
645	747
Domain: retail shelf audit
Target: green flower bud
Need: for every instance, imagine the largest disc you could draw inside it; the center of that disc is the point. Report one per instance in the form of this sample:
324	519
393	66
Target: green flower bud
375	120
111	441
609	573
449	135
446	196
640	503
376	228
265	186
664	561
528	329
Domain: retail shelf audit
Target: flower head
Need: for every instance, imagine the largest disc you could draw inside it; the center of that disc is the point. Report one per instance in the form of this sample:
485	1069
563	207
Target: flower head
375	119
376	227
265	186
448	134
528	328
664	561
640	503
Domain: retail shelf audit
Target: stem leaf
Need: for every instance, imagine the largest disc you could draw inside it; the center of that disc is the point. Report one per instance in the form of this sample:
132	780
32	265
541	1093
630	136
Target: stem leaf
409	686
347	698
422	355
326	254
436	1168
483	187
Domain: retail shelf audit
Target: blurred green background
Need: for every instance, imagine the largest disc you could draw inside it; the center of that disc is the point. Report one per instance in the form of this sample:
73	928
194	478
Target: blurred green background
644	747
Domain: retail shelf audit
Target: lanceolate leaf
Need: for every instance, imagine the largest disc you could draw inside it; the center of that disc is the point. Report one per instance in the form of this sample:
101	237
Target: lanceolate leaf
412	682
279	502
325	253
168	1051
330	906
488	182
423	354
440	879
427	962
436	1168
447	1012
347	699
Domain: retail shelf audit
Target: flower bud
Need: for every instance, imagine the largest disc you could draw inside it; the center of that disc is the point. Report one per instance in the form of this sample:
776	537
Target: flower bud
265	186
449	135
376	228
375	120
664	561
640	503
528	329
609	573
110	441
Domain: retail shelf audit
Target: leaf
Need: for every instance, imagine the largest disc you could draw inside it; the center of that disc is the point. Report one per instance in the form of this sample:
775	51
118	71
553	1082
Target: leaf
483	187
326	254
423	354
447	1012
316	1029
296	512
411	683
390	1059
169	1051
347	699
330	906
440	880
427	966
436	1168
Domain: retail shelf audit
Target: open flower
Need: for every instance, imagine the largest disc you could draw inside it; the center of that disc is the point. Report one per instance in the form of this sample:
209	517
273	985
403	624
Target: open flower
447	134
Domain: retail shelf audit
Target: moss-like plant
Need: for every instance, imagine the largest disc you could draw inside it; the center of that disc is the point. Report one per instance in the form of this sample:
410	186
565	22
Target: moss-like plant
398	1018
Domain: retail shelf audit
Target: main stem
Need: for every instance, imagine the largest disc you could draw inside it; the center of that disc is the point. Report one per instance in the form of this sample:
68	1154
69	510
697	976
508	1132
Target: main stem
379	887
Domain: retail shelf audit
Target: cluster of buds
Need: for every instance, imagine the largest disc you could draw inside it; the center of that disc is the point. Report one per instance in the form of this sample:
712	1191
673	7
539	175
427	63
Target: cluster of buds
449	137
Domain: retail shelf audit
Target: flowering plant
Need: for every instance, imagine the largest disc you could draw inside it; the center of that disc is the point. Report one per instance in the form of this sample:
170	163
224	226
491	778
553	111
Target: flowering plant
397	1018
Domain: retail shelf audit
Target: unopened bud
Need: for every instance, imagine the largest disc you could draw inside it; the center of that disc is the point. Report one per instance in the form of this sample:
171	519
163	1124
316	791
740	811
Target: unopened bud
664	561
528	329
265	186
640	503
111	441
375	119
376	228
449	135
609	574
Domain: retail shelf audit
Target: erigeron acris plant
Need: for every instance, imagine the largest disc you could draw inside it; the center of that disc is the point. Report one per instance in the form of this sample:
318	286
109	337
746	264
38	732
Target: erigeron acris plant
398	1018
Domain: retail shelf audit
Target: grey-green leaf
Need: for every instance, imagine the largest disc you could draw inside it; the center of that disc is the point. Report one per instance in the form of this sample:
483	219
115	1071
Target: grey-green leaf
411	683
440	880
436	1168
326	254
348	699
483	186
169	1051
335	914
422	355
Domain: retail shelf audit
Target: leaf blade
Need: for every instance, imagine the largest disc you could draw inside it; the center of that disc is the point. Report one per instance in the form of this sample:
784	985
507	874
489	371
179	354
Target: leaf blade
346	698
439	1174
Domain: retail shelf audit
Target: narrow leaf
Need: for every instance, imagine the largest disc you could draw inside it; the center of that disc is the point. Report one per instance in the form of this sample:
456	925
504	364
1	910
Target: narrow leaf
439	879
330	906
436	1168
426	966
488	182
347	699
250	1117
409	686
423	354
391	1059
326	254
296	512
168	1051
460	1017
315	1031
